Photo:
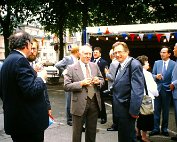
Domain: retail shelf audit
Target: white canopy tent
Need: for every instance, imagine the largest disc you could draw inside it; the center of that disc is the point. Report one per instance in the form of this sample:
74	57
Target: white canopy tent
157	27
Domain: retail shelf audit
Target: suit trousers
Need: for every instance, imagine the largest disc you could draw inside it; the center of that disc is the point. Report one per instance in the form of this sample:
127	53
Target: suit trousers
28	137
126	124
68	106
114	119
90	117
161	104
103	114
175	108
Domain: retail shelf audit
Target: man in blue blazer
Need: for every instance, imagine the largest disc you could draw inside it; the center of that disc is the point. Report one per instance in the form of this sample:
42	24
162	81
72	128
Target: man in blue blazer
162	71
173	88
128	92
61	66
25	109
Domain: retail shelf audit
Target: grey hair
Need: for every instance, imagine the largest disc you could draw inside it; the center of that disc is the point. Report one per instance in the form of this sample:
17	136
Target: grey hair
82	48
19	39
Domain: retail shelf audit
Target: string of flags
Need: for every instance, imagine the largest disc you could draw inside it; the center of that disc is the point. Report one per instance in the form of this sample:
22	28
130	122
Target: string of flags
139	36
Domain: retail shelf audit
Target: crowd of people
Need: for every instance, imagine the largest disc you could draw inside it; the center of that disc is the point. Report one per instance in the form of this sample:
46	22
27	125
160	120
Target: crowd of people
87	77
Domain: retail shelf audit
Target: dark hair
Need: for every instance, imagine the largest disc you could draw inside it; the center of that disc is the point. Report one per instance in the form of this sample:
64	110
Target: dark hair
169	49
142	59
97	48
19	39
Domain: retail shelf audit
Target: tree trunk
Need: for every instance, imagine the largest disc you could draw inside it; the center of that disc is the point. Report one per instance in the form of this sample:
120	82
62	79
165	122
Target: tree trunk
85	17
61	47
6	35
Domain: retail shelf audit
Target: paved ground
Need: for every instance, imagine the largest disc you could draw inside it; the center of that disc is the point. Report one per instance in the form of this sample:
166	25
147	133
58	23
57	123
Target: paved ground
60	132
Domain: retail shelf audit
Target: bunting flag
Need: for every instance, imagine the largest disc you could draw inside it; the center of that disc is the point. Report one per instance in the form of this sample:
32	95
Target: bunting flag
132	36
107	31
158	37
175	35
141	36
124	35
99	32
167	36
149	36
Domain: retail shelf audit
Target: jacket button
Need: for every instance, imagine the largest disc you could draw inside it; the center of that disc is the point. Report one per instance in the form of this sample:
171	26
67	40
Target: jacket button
87	91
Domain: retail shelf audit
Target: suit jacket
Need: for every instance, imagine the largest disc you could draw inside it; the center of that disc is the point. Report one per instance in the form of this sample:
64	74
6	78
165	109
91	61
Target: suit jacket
102	64
174	81
157	69
72	83
25	108
128	89
62	64
112	71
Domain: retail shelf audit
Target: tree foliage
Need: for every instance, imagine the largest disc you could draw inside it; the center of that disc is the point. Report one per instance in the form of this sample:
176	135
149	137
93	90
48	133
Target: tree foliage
12	14
58	15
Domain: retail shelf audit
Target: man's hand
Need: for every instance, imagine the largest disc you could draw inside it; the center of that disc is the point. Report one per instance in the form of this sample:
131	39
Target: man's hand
96	80
86	82
159	76
134	116
106	70
172	87
50	112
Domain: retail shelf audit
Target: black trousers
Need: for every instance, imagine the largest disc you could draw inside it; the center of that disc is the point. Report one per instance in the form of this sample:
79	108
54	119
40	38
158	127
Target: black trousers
28	137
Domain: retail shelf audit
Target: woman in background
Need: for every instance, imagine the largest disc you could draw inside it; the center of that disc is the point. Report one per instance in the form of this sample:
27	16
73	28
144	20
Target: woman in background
146	122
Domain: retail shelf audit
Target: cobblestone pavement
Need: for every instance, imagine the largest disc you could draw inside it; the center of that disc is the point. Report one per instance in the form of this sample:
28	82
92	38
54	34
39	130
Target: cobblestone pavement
61	132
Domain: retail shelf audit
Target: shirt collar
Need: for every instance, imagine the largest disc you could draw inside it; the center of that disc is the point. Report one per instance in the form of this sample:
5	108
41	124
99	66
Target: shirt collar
20	52
125	62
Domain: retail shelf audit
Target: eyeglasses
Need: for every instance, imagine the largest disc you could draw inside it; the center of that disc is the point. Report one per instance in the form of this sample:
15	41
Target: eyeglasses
119	52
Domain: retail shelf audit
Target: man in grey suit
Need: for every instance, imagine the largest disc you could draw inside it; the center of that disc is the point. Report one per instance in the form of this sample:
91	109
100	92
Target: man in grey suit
84	80
128	92
162	71
173	88
61	66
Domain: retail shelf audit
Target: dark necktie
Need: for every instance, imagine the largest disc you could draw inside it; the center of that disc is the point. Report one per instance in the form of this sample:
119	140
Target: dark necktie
118	70
94	60
90	87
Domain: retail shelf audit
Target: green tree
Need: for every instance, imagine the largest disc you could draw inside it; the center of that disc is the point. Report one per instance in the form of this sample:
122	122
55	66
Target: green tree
14	13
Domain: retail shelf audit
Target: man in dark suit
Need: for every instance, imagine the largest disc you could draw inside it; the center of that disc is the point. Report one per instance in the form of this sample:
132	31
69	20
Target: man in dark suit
84	79
102	64
162	72
128	92
61	66
25	109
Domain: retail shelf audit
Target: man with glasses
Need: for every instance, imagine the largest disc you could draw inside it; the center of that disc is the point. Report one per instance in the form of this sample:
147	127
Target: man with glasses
128	92
25	109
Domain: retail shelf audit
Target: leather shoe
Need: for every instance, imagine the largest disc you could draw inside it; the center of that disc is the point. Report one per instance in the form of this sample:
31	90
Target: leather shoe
174	138
165	134
111	129
70	123
103	121
152	133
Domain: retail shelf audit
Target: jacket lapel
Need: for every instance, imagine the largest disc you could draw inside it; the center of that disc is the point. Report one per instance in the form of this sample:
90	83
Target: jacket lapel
78	71
122	72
